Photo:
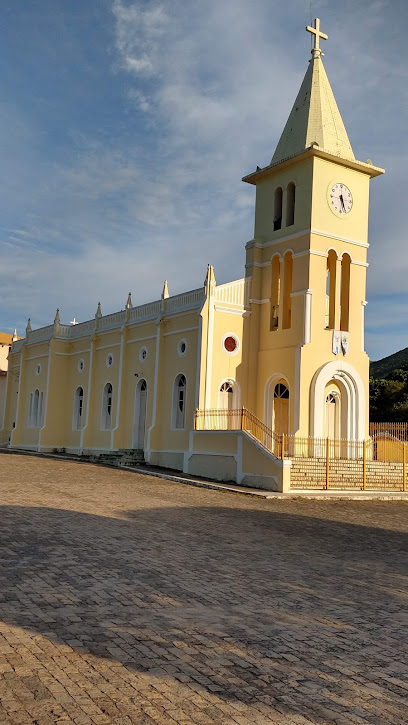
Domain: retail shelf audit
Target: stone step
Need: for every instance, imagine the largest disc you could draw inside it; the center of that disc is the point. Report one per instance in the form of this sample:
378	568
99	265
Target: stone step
122	458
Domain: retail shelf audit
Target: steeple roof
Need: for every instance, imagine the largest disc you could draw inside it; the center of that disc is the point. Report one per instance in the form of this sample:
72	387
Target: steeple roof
314	118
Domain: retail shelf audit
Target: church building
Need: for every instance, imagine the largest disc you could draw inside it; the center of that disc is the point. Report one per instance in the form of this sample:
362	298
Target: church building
208	381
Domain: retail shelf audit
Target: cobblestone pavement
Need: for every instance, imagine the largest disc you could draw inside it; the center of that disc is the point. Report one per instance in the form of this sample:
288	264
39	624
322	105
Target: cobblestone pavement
128	599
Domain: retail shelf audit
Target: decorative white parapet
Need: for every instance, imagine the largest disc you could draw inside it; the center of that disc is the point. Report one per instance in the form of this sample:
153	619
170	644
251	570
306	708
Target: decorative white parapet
81	329
186	301
42	334
234	293
145	312
132	315
113	321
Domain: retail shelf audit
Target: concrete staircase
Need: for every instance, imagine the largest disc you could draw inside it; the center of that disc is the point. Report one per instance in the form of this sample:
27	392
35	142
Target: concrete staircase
123	458
345	474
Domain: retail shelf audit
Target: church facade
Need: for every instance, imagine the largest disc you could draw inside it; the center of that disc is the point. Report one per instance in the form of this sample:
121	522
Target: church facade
285	342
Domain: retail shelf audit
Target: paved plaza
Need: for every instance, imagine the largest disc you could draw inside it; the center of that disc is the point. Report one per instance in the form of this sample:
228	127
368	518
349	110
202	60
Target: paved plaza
130	599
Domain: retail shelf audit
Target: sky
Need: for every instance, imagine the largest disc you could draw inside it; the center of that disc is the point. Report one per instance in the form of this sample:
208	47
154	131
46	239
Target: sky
127	125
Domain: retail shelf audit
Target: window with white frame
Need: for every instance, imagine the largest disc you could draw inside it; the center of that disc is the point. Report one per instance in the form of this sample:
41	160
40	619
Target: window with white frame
179	401
40	409
107	407
30	410
78	408
35	407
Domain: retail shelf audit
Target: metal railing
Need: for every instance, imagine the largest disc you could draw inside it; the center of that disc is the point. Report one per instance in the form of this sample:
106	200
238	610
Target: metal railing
378	463
397	430
239	419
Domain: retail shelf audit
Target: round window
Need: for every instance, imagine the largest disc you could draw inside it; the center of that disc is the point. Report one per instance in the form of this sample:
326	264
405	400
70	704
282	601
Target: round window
182	347
81	365
109	360
143	354
230	344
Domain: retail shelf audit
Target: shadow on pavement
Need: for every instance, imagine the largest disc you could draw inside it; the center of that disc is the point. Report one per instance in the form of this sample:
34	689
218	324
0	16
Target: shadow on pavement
299	613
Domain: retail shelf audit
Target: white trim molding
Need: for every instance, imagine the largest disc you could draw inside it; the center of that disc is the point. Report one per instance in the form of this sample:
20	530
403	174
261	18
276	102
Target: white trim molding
353	399
296	235
363	306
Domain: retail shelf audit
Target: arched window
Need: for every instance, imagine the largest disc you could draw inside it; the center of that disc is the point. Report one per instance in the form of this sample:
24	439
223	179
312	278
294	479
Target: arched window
277	219
179	401
290	204
331	271
275	292
281	391
78	408
139	423
287	290
107	407
36	400
345	293
35	409
40	409
30	411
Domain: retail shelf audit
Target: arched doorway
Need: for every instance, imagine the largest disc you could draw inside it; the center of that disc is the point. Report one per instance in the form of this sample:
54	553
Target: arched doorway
352	400
332	415
281	409
228	402
139	427
227	396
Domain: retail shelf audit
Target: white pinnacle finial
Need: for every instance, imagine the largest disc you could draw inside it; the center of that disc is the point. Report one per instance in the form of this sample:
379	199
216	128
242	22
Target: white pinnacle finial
165	292
129	302
98	310
15	336
316	51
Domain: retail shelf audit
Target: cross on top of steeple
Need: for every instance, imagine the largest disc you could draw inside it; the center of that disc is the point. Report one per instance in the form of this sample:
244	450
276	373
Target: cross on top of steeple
316	51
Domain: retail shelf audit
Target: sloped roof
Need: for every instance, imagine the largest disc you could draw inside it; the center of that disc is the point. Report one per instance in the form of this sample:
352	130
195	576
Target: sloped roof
314	118
6	338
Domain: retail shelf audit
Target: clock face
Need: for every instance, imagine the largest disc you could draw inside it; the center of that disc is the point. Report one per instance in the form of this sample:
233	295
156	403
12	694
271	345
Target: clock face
340	198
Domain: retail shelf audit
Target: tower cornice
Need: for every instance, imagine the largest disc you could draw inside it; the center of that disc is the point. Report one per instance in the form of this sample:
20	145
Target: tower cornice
313	150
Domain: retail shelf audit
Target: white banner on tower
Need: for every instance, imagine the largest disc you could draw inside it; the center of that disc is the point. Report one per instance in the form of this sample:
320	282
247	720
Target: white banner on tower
345	342
336	342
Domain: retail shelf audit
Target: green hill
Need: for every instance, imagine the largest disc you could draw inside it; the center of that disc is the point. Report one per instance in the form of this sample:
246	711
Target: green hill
381	368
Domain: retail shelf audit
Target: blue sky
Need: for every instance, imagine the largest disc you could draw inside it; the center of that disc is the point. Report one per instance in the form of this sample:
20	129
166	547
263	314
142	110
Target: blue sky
127	125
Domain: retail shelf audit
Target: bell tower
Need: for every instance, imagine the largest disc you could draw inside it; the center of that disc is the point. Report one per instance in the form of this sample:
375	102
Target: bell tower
308	263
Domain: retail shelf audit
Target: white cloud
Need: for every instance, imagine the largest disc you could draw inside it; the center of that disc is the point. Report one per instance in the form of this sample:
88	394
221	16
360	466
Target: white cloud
138	64
207	88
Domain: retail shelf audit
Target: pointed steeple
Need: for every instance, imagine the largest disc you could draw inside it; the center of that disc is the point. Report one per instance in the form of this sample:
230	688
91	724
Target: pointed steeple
28	328
209	282
57	317
165	292
315	118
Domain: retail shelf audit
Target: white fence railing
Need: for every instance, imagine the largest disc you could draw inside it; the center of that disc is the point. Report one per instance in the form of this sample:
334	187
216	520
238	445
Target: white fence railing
234	293
187	300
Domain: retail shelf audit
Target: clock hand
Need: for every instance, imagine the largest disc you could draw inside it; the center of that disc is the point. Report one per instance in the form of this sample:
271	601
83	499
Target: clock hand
342	202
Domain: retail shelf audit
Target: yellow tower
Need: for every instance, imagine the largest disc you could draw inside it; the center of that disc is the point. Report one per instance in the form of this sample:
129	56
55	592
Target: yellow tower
308	267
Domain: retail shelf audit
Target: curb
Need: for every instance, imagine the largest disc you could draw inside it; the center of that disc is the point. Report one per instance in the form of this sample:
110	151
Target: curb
295	494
